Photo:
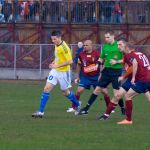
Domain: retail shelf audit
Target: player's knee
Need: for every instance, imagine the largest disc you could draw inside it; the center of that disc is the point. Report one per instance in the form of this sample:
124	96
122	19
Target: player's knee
79	91
128	96
104	92
65	93
117	96
46	89
97	90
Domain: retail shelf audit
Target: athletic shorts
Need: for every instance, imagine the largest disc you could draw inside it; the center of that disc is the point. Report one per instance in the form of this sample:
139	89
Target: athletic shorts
87	82
110	75
141	87
127	84
63	78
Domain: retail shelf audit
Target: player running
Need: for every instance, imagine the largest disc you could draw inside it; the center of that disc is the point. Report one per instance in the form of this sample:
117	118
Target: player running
60	73
88	72
138	81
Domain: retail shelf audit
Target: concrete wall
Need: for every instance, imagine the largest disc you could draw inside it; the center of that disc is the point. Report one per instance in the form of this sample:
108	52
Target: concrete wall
34	74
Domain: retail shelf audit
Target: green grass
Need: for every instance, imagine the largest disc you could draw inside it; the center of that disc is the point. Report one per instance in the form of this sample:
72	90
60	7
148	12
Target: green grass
60	130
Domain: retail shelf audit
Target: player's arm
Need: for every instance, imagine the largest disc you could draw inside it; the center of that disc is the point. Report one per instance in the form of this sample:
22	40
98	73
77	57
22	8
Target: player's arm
53	65
100	61
128	73
78	70
135	67
113	62
102	56
69	62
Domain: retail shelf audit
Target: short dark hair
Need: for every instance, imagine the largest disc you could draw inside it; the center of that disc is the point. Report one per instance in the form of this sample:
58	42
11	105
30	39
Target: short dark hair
130	46
56	33
111	32
123	40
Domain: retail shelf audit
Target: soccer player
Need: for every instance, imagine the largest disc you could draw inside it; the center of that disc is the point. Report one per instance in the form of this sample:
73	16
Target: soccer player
88	71
138	80
60	73
111	72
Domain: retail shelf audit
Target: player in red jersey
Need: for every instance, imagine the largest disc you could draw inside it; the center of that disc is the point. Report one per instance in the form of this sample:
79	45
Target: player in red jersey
88	72
138	81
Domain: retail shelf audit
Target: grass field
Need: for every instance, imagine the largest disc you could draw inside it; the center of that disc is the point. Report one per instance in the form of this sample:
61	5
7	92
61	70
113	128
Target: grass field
60	130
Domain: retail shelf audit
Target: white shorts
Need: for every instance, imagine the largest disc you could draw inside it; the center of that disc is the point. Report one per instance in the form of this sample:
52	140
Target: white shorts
63	78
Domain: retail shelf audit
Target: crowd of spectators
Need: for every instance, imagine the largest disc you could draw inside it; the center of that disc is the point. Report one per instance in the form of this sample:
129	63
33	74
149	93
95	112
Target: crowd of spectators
77	12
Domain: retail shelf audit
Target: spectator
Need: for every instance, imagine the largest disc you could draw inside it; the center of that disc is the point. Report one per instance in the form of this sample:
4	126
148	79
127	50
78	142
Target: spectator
63	11
37	10
17	10
117	13
107	11
90	11
78	12
7	10
44	10
78	51
31	10
54	11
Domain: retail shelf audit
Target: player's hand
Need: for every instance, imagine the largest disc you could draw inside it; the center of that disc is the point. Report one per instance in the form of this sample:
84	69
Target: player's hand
53	66
113	62
120	79
76	81
133	80
96	66
99	77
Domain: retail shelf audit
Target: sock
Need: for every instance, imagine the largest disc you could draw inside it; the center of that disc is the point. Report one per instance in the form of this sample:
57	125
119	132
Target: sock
90	101
73	99
129	109
107	100
44	99
78	98
121	103
110	107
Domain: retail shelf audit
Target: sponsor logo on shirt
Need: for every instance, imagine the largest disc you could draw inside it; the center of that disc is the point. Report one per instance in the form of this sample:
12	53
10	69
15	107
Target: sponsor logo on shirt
90	68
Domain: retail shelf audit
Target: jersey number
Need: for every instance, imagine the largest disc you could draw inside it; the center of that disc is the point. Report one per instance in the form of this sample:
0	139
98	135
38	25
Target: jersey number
50	77
145	60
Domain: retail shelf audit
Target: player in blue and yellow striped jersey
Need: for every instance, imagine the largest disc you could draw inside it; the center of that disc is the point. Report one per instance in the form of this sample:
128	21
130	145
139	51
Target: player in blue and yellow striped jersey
60	73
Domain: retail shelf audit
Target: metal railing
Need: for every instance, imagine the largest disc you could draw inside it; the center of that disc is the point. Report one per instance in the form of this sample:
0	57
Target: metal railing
31	61
28	61
75	11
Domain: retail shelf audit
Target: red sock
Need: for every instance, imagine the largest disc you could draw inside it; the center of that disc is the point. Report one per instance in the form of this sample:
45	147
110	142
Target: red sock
110	107
107	100
128	104
78	97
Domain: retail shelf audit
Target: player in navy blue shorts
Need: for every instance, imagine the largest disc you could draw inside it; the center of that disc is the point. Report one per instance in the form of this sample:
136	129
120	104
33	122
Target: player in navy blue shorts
110	72
138	81
88	72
